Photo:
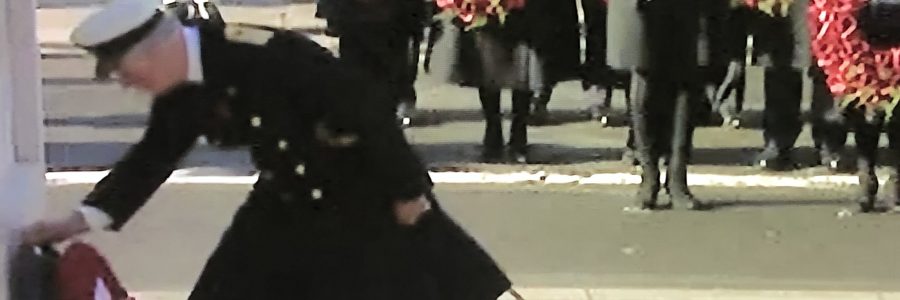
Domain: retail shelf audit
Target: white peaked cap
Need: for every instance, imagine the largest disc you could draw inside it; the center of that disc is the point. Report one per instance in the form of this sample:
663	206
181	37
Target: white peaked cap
116	19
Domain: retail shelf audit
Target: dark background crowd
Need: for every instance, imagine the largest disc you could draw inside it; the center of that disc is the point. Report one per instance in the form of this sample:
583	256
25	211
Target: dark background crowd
541	45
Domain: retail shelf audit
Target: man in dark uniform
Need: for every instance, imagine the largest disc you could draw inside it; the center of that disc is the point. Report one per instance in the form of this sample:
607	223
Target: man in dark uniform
343	208
383	38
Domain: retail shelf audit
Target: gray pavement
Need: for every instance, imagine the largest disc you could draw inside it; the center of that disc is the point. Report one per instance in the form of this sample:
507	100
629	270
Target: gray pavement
568	236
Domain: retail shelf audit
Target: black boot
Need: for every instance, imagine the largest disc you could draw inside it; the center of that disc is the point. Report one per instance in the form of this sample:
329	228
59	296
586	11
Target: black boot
774	159
648	158
781	117
682	137
541	116
867	135
892	188
518	131
492	143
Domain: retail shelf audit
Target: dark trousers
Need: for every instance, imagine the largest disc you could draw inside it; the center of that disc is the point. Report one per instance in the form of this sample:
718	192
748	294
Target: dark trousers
781	116
493	130
666	96
594	69
389	54
783	82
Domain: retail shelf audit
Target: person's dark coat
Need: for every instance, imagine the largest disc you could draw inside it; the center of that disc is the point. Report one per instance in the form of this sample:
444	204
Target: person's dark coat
536	46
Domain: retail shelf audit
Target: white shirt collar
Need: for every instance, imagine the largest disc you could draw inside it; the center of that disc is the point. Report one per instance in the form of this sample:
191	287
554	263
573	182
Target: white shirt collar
195	64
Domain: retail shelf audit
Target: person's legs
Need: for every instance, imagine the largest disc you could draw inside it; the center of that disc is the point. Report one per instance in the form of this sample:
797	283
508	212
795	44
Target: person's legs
493	129
518	140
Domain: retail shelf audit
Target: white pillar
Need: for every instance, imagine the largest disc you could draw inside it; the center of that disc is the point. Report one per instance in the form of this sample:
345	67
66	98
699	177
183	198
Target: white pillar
21	125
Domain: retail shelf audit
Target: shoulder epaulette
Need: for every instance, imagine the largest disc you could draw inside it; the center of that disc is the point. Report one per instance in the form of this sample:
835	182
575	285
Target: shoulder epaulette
249	33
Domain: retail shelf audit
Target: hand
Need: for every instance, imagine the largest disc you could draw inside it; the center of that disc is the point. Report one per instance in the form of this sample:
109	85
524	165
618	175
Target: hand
51	232
409	212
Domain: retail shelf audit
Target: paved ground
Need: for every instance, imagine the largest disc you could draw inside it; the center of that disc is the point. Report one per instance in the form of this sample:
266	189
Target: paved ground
568	236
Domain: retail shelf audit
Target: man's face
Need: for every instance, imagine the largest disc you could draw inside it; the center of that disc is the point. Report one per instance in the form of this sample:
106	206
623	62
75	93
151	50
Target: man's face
138	69
155	66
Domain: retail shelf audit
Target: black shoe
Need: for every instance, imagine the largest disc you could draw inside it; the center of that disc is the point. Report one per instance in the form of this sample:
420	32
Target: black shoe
518	155
830	160
731	122
867	204
774	160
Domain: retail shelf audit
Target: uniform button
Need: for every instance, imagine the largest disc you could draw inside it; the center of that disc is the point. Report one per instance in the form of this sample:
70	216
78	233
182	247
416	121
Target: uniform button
231	91
202	140
283	145
255	121
300	170
316	194
267	175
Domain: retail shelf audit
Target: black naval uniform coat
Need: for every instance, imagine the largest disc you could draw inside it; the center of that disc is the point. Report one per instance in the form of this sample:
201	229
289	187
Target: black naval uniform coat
319	222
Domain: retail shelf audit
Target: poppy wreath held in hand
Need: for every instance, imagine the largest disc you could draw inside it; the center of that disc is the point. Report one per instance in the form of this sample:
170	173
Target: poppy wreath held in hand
472	14
857	44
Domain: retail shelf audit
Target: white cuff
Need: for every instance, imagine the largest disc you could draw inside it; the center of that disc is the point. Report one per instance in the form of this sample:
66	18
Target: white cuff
96	219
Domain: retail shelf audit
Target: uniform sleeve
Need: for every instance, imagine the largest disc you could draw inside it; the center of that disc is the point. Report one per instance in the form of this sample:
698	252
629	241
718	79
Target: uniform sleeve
132	180
400	170
96	219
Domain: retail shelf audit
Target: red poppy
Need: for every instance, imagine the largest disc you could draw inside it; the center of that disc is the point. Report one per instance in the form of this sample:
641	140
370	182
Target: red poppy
855	70
474	13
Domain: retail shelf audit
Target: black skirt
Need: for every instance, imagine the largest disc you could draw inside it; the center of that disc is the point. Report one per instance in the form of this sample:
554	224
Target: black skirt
298	250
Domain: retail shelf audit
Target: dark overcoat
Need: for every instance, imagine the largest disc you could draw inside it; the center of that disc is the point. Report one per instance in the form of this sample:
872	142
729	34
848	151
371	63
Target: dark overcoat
536	46
626	33
782	41
381	37
319	223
